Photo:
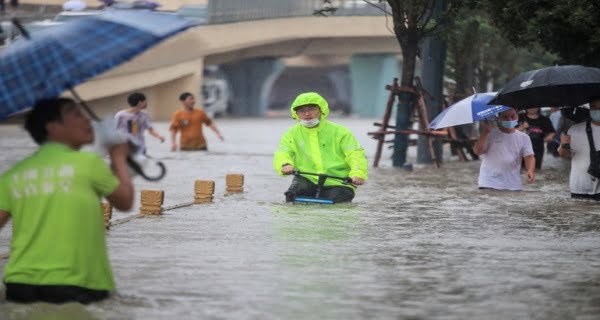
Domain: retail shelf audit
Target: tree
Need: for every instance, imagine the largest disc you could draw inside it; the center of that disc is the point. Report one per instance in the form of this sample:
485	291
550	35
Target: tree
568	28
478	55
413	21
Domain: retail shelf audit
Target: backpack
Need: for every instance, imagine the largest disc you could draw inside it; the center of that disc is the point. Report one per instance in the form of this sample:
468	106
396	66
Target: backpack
594	168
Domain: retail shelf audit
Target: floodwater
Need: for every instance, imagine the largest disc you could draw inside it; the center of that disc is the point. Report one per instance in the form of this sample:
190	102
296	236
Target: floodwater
421	244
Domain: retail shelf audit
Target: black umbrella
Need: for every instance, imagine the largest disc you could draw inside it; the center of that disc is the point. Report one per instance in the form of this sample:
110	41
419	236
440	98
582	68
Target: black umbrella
553	86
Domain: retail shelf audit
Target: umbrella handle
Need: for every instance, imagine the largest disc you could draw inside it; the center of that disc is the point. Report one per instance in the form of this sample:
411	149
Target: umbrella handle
137	168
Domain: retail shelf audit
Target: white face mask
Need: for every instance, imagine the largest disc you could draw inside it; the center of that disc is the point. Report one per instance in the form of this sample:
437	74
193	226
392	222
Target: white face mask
310	123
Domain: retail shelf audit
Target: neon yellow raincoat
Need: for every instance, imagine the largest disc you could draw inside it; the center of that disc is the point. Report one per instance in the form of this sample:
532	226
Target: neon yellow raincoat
328	148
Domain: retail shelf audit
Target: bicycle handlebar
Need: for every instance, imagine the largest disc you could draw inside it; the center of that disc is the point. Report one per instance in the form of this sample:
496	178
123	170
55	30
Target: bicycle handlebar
344	179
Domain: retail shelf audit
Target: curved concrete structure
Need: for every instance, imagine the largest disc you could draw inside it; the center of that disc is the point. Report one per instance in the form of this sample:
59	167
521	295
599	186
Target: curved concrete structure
176	65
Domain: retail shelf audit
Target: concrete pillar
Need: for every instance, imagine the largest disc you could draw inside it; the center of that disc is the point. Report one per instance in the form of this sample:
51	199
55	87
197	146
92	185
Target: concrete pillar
369	74
343	86
251	82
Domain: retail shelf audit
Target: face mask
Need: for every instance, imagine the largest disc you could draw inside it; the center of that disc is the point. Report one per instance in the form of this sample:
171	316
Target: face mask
508	124
595	114
310	123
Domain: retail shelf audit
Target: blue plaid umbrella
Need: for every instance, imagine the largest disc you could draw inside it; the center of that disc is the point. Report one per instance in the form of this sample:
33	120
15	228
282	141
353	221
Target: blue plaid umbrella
61	57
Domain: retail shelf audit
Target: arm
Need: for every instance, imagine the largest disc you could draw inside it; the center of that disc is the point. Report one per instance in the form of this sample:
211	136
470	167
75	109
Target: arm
548	127
122	197
564	151
358	164
174	128
283	159
530	167
173	140
481	144
356	159
215	130
549	137
157	135
4	216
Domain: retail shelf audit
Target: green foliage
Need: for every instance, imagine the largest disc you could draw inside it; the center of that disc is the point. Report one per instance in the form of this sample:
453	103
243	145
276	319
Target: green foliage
568	28
478	54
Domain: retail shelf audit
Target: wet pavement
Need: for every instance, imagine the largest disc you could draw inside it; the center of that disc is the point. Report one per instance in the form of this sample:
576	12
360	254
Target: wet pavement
421	244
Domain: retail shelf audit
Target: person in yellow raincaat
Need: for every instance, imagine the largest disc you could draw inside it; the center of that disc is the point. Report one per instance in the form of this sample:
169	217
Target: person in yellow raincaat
317	145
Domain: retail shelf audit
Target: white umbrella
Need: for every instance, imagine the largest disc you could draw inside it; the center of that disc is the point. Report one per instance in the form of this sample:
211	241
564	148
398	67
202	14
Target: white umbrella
468	110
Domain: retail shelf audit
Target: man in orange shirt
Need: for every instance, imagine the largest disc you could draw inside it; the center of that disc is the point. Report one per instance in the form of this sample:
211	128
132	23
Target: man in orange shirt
189	121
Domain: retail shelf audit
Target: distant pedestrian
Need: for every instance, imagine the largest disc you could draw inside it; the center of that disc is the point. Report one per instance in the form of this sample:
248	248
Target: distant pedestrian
135	120
502	150
556	119
539	129
189	121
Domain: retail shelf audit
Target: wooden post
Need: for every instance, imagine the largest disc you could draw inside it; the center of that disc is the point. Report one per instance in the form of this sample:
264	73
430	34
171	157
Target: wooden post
386	119
203	191
424	123
151	202
235	182
424	120
107	213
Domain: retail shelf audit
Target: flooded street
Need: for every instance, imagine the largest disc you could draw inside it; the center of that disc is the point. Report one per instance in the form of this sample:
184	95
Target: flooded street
421	244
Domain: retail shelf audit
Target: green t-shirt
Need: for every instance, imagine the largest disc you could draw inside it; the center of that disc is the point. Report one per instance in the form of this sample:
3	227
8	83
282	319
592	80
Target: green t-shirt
53	197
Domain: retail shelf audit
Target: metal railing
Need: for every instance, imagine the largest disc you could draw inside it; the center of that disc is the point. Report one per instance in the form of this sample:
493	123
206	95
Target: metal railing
226	11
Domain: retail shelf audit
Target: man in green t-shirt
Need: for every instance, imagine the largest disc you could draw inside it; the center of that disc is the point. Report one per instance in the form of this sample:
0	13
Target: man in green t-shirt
58	249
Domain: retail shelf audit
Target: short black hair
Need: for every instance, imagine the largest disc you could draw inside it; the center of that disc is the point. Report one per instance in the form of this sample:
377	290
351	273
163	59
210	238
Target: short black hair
43	112
185	95
135	98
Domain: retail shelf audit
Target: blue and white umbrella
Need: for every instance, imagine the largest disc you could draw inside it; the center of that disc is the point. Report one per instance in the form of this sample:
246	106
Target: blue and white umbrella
58	58
468	110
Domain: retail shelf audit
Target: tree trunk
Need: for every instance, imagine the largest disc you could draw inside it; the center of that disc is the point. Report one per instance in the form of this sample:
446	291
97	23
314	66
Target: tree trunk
409	57
405	103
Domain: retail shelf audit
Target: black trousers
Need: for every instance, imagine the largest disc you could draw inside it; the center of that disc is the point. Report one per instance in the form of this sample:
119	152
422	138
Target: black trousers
27	293
586	196
301	186
194	149
538	152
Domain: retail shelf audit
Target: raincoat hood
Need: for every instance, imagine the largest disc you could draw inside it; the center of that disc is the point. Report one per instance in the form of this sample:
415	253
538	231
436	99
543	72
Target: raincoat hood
310	98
